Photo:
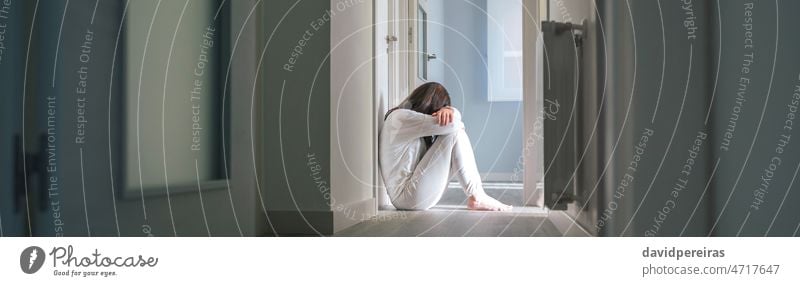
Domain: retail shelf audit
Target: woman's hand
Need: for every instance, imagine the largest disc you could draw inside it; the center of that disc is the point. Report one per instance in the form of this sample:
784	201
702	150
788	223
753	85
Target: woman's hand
444	116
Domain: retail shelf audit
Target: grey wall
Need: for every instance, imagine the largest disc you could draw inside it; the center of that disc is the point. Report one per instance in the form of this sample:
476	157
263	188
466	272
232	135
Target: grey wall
677	117
295	174
624	99
773	86
317	166
724	204
280	121
89	200
728	190
12	80
495	128
628	99
188	212
353	102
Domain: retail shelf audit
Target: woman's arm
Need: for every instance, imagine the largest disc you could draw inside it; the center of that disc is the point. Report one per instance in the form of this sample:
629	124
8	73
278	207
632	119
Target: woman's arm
409	124
444	115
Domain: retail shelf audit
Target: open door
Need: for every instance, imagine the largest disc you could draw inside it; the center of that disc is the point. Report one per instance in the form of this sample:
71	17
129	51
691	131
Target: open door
419	55
407	50
402	55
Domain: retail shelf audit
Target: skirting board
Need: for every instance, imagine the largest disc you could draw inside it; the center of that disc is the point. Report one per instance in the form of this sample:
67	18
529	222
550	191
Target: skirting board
319	222
567	225
299	223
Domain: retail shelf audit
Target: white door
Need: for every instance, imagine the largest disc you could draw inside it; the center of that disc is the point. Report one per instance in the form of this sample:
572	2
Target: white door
406	47
419	56
401	57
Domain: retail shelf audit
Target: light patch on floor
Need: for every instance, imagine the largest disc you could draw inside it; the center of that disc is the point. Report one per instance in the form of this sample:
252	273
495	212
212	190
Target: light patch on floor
451	218
453	221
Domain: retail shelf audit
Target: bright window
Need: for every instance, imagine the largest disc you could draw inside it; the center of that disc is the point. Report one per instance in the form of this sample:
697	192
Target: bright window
504	50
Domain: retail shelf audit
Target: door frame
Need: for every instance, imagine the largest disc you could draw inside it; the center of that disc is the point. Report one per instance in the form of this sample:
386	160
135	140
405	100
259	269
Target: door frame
401	68
402	53
413	54
391	54
532	102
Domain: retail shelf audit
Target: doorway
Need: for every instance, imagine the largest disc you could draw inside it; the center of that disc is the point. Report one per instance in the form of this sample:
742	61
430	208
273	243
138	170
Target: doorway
479	50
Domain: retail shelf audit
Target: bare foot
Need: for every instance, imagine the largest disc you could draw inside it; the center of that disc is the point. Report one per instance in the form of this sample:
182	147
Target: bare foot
486	203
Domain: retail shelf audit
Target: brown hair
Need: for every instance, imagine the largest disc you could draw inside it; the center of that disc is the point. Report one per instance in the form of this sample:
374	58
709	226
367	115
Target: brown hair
426	98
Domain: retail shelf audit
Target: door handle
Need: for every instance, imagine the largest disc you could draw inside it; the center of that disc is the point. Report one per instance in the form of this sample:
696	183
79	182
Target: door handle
40	170
24	168
430	56
28	169
19	174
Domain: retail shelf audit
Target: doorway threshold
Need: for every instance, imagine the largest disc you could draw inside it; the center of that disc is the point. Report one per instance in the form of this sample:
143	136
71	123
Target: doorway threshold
457	221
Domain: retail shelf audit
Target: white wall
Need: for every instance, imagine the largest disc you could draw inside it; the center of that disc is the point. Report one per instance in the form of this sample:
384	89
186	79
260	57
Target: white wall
382	90
352	112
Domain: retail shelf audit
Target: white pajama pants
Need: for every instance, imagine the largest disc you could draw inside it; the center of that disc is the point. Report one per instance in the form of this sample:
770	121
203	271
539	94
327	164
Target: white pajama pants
450	156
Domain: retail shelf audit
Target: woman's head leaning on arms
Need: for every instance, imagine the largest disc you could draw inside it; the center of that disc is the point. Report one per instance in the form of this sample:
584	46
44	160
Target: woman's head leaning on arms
429	98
